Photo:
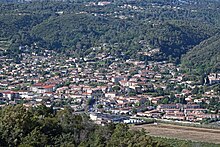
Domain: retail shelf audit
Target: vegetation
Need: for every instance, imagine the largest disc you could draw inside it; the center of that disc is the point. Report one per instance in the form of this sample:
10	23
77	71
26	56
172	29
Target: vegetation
41	126
183	143
73	28
205	57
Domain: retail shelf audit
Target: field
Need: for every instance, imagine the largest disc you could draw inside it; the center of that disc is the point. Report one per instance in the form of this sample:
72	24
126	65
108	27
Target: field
181	132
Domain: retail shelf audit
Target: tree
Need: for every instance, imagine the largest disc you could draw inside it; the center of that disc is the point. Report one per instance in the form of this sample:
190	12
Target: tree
165	100
134	110
15	123
195	90
172	97
100	106
116	88
160	91
119	136
34	138
90	101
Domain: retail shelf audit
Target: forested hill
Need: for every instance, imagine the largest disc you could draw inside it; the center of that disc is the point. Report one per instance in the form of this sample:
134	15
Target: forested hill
128	29
81	32
204	57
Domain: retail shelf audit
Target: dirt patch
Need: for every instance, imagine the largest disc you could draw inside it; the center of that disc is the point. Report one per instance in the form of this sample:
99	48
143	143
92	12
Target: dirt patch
182	132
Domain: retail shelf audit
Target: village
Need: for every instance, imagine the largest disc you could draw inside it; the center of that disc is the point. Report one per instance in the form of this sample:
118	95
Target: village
107	88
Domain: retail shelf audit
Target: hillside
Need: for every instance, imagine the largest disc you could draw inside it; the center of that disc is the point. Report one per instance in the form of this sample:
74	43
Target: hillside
204	57
81	32
126	29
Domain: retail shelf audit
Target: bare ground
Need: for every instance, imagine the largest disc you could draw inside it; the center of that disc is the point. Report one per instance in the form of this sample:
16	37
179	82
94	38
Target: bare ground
182	132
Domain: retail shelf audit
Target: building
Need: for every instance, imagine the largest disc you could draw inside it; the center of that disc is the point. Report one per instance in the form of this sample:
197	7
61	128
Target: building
214	78
42	88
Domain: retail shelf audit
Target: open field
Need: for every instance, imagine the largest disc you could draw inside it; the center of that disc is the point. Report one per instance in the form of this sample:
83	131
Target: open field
182	132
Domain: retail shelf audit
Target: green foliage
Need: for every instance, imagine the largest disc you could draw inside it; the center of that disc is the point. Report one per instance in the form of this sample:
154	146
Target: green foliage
16	123
116	88
122	138
34	138
184	143
41	127
79	28
205	57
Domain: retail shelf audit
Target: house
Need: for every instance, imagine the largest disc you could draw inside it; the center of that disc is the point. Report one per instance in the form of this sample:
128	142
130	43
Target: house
133	121
26	95
42	88
104	3
152	113
62	90
155	100
124	83
103	118
214	78
176	115
116	79
121	101
169	107
11	95
110	95
186	92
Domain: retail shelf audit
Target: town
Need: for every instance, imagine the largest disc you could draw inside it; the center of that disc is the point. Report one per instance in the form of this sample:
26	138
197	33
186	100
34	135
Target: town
108	88
106	73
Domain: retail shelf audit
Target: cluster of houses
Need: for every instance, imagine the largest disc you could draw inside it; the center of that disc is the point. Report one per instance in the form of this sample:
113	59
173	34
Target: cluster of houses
214	78
184	112
119	88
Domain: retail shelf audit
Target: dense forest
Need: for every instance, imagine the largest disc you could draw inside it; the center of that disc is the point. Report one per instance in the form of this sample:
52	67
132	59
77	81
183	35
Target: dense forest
73	28
41	126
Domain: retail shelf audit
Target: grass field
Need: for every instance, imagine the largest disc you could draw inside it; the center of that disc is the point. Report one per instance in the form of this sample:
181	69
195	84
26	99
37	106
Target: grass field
182	132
